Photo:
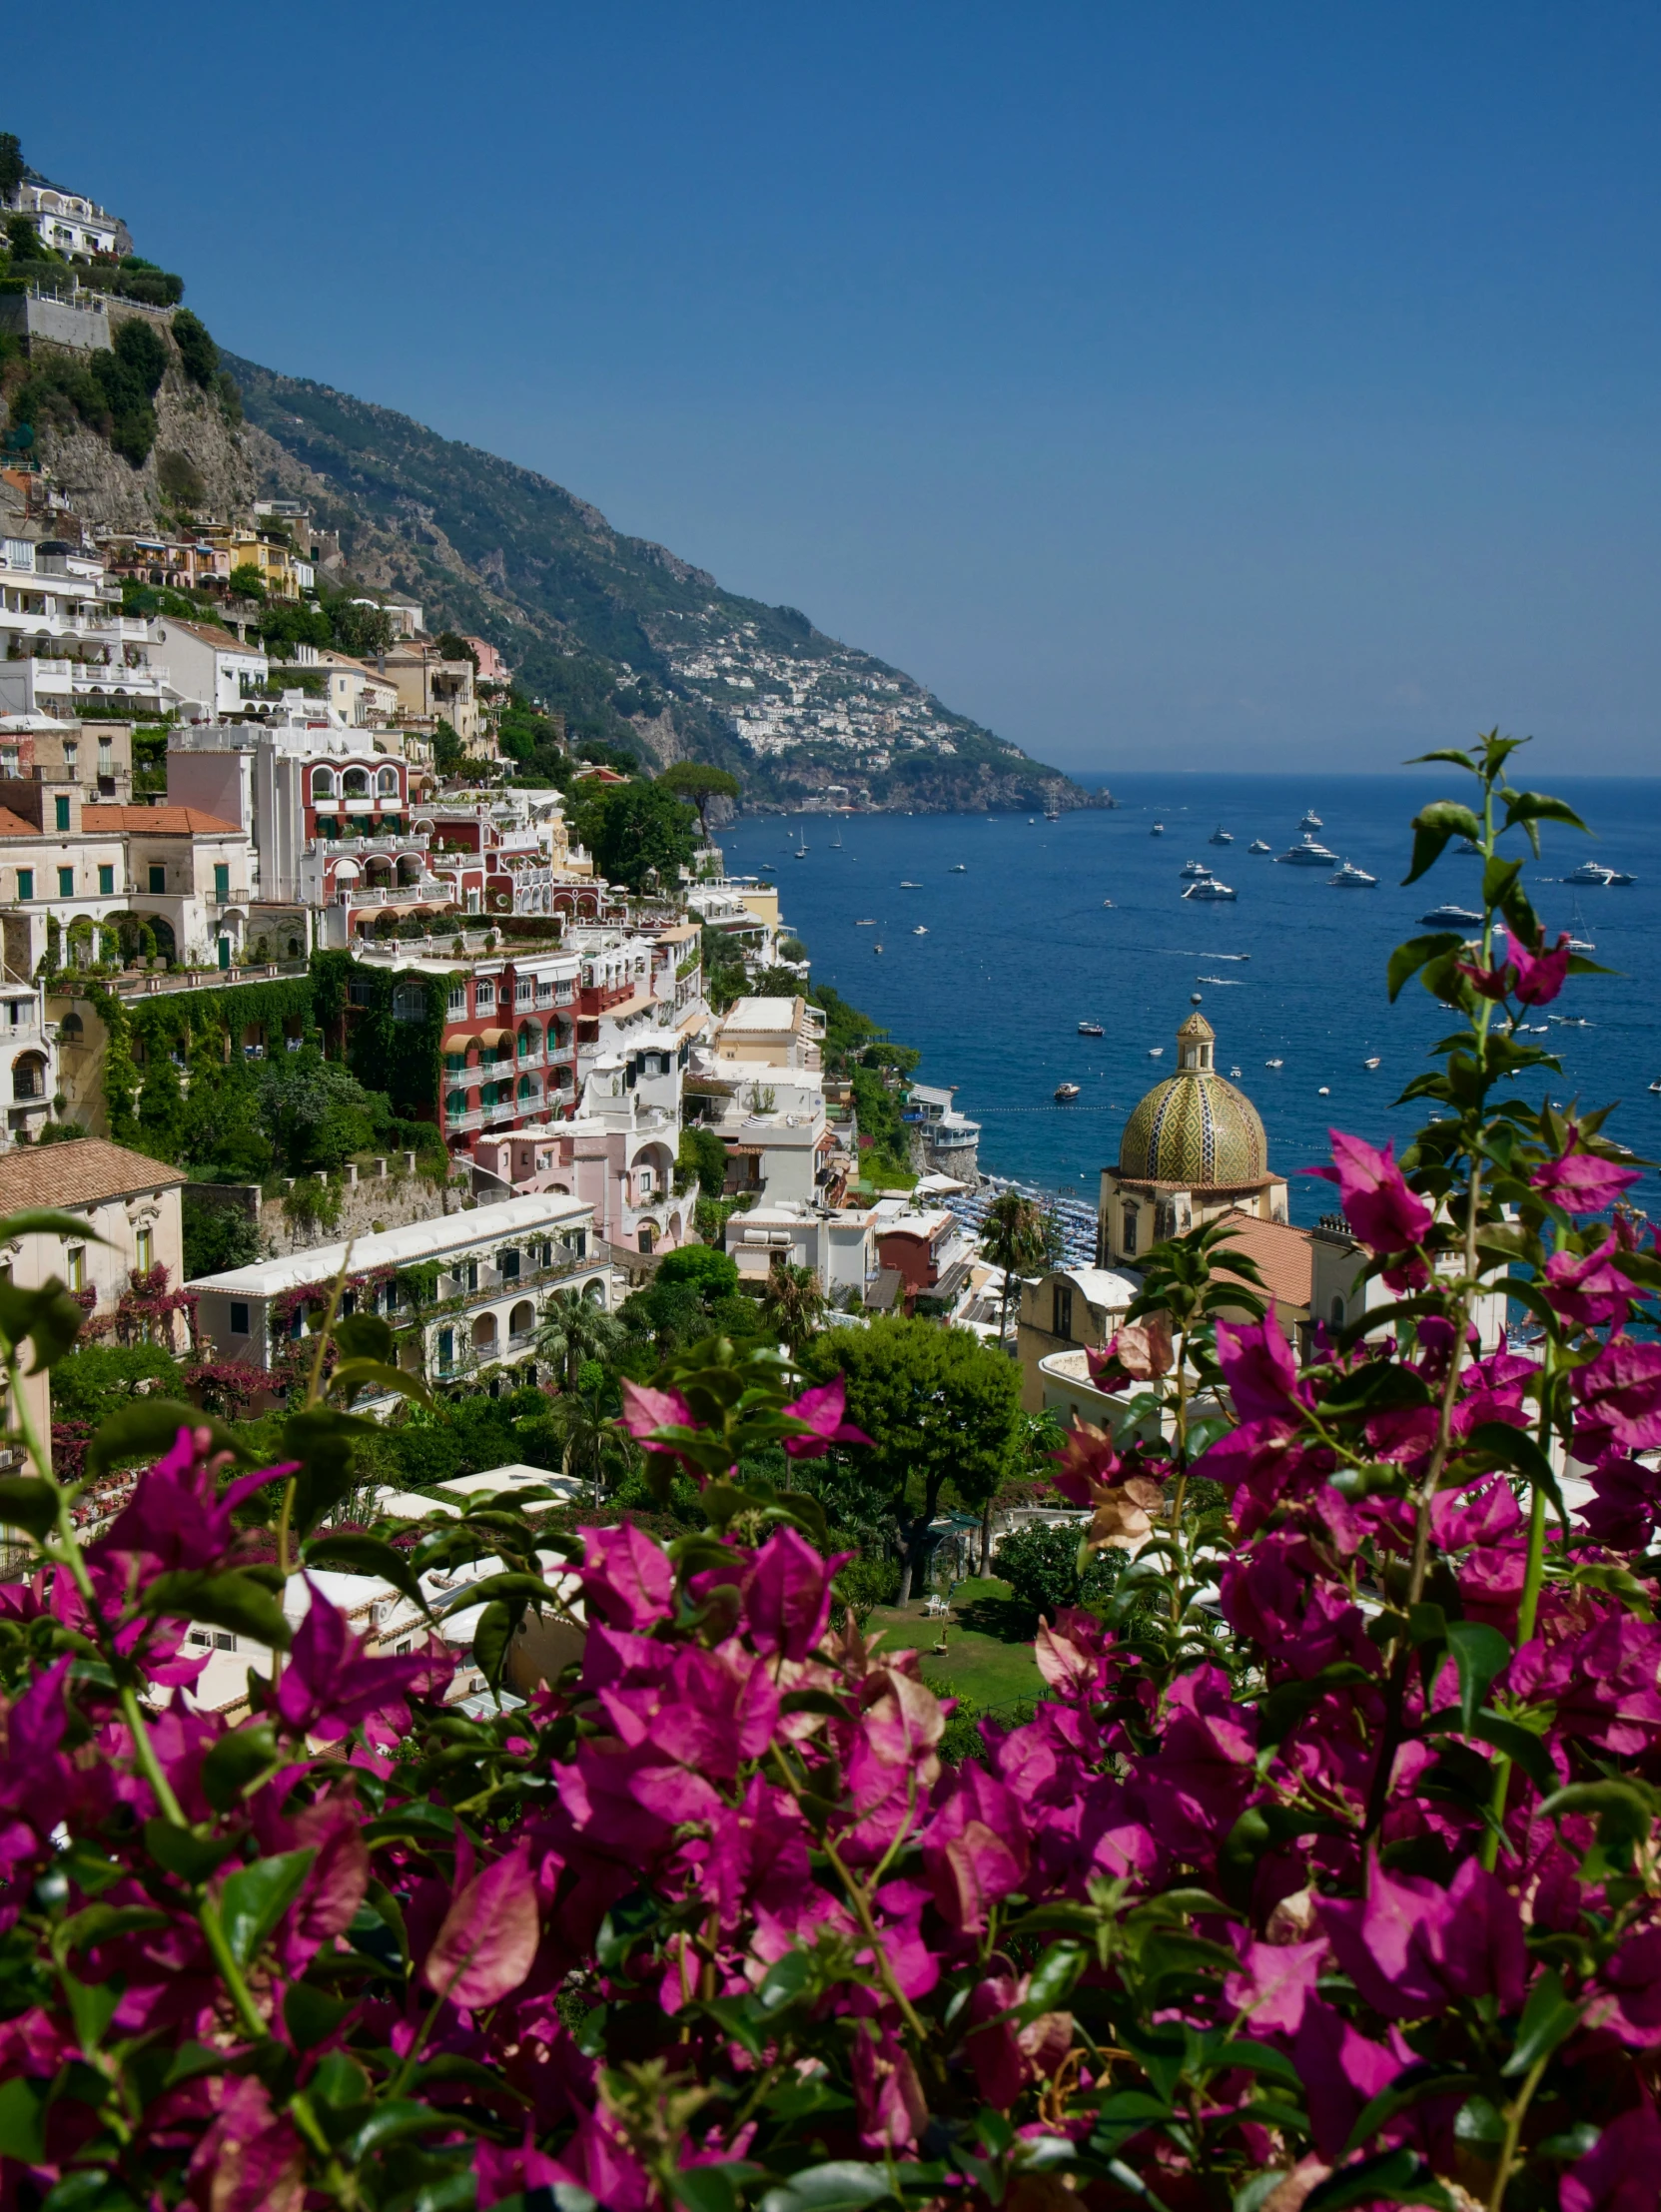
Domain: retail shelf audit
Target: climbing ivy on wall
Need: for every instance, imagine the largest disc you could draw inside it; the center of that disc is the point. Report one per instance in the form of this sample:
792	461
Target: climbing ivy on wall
183	1018
400	1058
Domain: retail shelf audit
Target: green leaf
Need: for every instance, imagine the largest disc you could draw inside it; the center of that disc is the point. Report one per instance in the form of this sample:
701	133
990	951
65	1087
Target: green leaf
513	1585
365	1336
96	1923
1625	1809
311	2015
241	1758
233	1600
23	2119
1053	1979
1479	1651
493	1638
256	1898
397	2119
705	2189
1421	2082
352	1376
840	2185
1433	827
1548	2018
1450	753
152	1425
365	1554
1520	1744
48	1318
1394	2177
1535	806
26	1502
191	1857
1406	960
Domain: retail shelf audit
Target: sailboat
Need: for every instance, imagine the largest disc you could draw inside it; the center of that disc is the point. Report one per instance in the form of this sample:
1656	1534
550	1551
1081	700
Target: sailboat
836	841
1579	942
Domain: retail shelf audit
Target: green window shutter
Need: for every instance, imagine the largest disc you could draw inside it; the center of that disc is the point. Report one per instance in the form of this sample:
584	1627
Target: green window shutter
158	881
66	882
60	808
25	883
106	883
222	880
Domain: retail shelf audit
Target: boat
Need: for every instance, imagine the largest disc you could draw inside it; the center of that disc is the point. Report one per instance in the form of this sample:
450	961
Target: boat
1592	872
1158	830
1311	821
1235	1073
1374	1061
1209	889
921	930
1259	845
1195	870
1274	1063
1656	1085
1231	956
1309	855
1451	918
911	886
1351	878
1221	983
1091	1029
876	947
866	921
1325	1092
1220	836
1579	942
1155	1052
1571	1020
1066	1093
1052	814
957	869
1107	901
800	853
1468	845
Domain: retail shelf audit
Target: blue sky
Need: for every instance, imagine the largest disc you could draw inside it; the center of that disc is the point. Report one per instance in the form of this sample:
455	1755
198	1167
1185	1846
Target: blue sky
1266	387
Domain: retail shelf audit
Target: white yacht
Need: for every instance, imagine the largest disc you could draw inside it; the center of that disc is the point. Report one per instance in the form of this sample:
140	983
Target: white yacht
1308	853
1351	878
1374	1061
1311	821
1274	1063
1594	872
1220	836
1259	845
1091	1029
921	930
1194	871
957	869
1451	918
1209	889
1066	1093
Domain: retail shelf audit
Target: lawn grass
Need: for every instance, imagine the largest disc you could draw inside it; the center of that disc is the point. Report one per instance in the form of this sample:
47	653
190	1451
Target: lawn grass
989	1652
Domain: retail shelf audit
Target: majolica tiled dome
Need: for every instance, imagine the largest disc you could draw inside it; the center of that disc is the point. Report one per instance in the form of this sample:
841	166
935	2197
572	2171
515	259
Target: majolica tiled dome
1194	1130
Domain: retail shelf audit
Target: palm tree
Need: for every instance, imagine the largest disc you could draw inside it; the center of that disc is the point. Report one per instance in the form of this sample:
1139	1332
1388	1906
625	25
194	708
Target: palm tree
1015	1235
793	1302
592	1445
573	1328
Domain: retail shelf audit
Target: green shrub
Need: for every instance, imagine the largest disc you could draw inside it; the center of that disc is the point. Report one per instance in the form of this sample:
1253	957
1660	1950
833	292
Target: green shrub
866	1581
196	351
217	1237
710	1274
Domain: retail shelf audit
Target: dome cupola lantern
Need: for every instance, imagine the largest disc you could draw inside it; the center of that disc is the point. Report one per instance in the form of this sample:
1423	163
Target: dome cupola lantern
1194	1148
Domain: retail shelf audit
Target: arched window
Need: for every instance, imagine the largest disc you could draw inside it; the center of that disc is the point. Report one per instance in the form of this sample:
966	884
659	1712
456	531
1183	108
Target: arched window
388	782
529	1088
354	784
71	1029
485	1334
530	1039
1128	1241
1061	1318
1337	1314
521	1321
323	783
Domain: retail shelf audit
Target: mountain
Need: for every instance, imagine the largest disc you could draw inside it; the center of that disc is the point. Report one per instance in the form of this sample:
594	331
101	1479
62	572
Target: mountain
630	642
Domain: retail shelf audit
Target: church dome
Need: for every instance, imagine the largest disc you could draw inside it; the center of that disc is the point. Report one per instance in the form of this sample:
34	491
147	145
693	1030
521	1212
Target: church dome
1193	1129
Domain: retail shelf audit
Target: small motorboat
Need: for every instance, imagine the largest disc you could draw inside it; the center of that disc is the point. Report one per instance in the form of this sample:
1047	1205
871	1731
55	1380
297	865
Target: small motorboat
1209	889
1311	821
904	885
1274	1063
1374	1061
1066	1093
921	930
1155	1052
1259	845
1325	1092
1158	830
1656	1085
957	869
866	921
1236	1072
1231	956
1195	871
1091	1029
1220	836
1107	901
876	947
1451	918
1351	878
1468	845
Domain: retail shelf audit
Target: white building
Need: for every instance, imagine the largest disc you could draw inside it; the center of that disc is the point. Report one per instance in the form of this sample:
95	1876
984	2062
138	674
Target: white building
67	220
212	671
66	645
840	1246
489	1271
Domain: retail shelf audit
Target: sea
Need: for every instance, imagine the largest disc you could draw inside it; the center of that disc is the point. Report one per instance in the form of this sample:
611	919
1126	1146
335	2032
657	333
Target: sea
1000	932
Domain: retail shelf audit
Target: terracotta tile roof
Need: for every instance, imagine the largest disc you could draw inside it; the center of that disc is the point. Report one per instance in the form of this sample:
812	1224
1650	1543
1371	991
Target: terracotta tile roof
1284	1254
13	824
78	1174
158	821
211	634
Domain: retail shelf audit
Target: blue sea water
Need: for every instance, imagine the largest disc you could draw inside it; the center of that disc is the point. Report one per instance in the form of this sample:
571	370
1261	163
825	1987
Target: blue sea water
1021	947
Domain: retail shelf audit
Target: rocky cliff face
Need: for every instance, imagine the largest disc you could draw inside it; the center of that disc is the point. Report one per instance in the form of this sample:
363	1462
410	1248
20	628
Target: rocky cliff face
199	458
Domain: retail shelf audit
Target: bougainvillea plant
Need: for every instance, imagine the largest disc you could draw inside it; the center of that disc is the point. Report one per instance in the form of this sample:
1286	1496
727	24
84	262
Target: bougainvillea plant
1326	1874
